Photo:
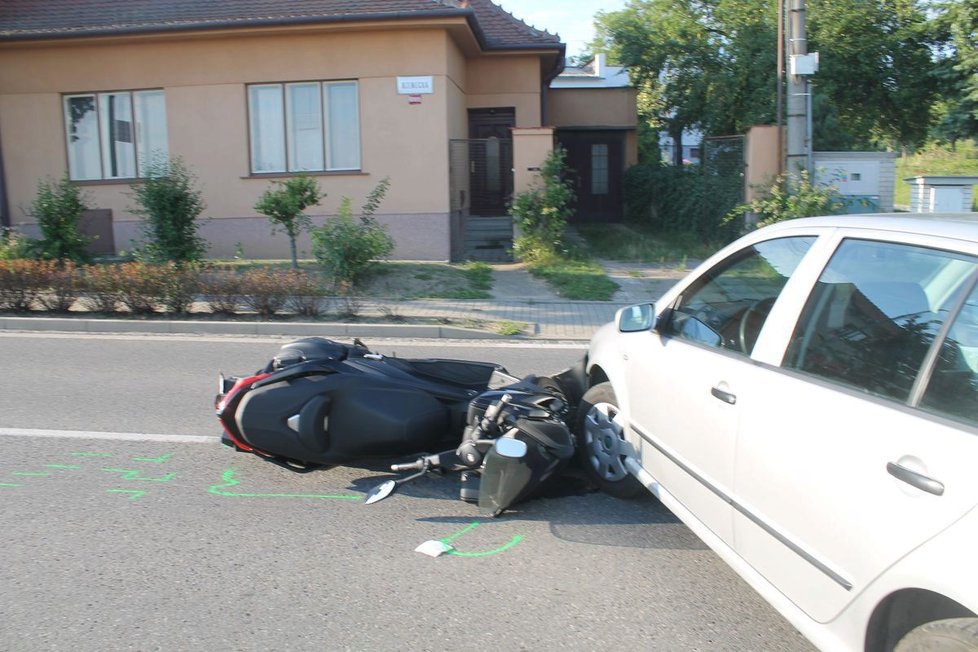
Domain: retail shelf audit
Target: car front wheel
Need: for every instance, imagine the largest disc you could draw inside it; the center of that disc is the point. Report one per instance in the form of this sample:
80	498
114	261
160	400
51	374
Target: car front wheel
951	635
601	432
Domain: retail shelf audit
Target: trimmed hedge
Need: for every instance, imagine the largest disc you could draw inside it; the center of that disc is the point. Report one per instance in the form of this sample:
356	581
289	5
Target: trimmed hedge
140	288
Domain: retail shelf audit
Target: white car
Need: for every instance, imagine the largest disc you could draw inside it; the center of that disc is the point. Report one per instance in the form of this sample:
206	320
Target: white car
806	401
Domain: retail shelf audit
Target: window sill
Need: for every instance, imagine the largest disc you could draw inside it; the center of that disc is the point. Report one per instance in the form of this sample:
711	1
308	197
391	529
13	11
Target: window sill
107	182
307	173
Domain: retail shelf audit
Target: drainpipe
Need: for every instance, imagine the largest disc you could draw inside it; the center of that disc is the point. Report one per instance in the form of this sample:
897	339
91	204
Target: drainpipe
4	203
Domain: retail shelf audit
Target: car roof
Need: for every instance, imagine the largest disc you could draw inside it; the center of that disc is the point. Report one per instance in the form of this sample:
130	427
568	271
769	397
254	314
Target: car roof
961	226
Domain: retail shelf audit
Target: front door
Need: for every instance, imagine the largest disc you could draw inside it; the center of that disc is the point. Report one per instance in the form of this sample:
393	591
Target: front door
596	162
490	160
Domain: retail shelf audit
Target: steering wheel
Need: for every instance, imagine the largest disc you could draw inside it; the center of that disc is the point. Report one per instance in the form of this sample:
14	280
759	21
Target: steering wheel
760	309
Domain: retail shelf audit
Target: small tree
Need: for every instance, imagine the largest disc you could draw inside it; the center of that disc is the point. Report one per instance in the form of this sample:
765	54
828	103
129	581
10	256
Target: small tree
170	203
58	208
542	213
347	247
284	205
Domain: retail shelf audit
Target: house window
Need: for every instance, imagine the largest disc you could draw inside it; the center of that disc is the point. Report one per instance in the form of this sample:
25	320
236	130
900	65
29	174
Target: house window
599	169
304	126
114	135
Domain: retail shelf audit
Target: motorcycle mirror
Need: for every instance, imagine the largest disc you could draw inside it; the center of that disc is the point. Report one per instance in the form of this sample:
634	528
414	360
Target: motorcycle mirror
512	448
381	491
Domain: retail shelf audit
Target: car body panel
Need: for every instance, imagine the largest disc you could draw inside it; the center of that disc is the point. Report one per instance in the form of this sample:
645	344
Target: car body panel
793	483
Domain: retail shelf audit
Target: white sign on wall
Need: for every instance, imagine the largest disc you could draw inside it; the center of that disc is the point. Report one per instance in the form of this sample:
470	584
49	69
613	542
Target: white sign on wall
424	85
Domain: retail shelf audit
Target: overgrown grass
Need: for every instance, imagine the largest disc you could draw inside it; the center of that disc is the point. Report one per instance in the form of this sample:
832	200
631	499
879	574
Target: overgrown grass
638	243
573	275
936	160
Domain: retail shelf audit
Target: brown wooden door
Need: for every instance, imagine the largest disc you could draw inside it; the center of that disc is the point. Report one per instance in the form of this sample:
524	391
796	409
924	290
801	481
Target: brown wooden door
491	160
596	162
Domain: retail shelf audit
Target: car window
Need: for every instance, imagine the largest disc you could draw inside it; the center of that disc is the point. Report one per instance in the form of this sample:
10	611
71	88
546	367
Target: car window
953	386
874	314
727	306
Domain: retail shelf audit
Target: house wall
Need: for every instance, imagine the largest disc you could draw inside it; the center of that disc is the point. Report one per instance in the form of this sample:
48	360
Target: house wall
204	77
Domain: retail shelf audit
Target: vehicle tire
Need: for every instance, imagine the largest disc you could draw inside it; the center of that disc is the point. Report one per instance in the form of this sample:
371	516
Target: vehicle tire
951	635
601	443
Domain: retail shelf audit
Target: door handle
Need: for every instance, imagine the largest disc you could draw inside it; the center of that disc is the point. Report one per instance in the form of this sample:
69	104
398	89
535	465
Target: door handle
726	397
914	479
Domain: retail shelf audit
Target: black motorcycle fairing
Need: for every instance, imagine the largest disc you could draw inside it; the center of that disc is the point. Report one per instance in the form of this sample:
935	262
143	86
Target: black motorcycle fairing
338	418
314	348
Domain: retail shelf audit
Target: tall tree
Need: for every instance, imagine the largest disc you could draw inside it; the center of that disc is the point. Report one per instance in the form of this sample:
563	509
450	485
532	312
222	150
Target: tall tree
710	64
876	60
696	63
956	114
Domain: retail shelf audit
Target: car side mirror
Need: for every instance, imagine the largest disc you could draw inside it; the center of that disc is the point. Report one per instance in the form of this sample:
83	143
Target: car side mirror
633	319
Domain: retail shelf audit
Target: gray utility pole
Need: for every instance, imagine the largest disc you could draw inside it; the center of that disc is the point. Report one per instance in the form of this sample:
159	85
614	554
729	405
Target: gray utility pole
801	65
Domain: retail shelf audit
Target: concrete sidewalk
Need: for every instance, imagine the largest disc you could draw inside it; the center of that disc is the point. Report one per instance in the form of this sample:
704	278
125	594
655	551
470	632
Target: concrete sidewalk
519	301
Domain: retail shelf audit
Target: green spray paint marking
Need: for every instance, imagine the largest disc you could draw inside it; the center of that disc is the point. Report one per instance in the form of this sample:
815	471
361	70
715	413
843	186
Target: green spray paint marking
230	481
485	553
135	493
155	460
32	475
8	484
92	454
129	474
61	466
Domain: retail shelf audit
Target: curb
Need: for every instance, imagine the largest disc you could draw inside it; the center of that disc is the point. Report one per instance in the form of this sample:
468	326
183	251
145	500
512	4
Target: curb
289	329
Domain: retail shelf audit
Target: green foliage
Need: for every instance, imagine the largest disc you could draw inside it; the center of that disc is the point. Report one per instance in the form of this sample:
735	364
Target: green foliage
170	203
58	208
788	198
542	213
711	64
13	245
284	206
347	246
674	200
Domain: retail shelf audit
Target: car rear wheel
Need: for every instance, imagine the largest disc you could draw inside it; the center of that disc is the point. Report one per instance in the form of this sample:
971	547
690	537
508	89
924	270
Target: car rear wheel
951	635
602	450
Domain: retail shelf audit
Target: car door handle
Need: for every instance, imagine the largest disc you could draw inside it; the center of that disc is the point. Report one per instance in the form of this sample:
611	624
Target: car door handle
914	479
724	396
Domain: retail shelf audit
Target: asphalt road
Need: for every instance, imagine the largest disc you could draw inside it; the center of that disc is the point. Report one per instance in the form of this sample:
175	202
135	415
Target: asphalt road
157	544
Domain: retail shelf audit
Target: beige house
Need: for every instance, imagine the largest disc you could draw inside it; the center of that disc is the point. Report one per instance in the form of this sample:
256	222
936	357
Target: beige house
449	99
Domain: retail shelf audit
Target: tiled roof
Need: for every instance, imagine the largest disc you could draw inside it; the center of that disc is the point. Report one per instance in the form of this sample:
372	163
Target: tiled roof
37	19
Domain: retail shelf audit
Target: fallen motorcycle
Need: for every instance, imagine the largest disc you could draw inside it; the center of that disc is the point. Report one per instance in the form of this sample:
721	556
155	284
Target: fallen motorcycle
321	403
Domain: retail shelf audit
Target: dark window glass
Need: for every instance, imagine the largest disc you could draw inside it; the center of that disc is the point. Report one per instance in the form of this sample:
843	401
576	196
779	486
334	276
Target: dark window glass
953	387
874	313
728	305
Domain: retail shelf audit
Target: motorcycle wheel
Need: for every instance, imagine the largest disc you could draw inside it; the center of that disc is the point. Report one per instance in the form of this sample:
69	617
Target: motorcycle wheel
601	443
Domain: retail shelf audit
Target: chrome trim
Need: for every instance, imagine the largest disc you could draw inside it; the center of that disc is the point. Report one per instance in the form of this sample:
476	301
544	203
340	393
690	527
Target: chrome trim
914	479
753	518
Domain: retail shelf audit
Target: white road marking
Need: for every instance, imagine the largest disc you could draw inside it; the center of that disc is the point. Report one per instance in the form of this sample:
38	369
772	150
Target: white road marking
119	436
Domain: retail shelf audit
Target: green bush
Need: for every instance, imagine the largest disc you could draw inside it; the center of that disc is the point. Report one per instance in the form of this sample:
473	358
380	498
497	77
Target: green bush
284	205
347	247
170	203
680	199
788	198
180	287
541	213
58	208
13	245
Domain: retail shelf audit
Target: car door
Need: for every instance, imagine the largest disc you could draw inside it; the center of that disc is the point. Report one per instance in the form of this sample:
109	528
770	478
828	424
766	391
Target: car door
684	378
863	444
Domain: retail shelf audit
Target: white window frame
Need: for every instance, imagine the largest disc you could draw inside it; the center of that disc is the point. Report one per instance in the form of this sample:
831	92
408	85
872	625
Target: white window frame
276	142
121	150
